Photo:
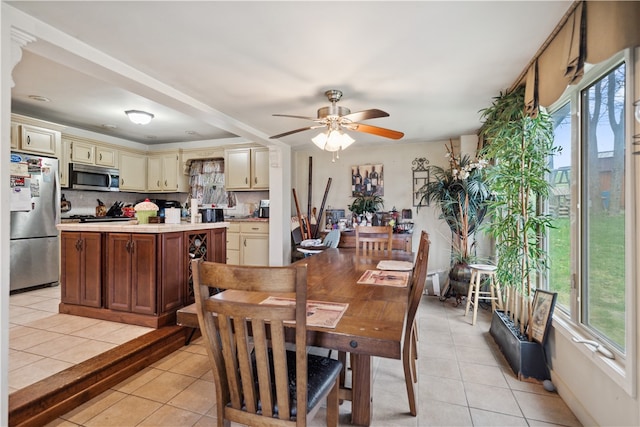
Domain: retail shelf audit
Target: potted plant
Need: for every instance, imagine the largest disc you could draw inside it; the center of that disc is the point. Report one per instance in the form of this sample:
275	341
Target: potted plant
519	145
364	204
460	191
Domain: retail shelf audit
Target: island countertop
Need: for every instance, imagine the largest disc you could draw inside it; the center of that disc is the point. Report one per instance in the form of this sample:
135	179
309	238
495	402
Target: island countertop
134	227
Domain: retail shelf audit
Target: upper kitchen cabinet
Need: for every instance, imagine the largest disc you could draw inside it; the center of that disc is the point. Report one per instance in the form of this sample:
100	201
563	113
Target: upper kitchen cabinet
82	150
35	136
247	169
164	173
133	171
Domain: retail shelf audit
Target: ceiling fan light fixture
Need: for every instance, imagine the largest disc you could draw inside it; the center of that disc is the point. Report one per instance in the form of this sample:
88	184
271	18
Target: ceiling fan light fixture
139	117
332	140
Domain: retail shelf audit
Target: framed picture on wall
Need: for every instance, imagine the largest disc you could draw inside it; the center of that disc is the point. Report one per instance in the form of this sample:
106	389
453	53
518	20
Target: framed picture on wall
367	180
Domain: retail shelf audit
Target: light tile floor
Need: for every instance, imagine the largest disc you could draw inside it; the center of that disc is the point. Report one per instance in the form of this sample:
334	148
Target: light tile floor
464	380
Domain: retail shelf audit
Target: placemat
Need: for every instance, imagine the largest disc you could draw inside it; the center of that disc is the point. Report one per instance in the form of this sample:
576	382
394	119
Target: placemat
319	313
389	264
399	279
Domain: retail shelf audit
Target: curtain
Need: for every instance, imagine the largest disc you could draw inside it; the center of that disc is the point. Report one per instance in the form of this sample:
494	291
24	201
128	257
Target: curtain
592	31
206	178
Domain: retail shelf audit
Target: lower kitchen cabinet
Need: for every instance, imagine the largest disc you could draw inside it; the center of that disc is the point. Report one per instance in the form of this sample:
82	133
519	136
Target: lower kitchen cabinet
139	278
131	272
248	243
81	268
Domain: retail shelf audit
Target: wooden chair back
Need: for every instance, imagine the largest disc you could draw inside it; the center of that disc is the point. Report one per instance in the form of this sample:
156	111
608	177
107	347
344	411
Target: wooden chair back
418	278
374	239
241	338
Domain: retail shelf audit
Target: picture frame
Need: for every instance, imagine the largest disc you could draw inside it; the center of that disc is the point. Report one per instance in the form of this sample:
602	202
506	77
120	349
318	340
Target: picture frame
543	304
367	180
420	178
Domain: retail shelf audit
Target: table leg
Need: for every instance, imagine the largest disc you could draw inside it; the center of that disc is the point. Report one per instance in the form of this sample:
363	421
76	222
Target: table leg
362	386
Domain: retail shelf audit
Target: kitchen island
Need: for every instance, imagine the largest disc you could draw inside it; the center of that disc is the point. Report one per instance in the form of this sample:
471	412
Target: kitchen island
133	273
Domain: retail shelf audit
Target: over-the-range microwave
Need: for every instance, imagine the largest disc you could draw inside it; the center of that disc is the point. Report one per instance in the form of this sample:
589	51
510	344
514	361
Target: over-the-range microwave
96	178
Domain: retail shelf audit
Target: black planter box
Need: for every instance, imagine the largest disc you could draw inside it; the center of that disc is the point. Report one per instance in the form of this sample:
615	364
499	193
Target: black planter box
526	358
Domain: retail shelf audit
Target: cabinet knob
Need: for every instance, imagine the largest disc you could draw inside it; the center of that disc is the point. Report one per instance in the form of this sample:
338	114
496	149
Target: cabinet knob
255	180
158	183
246	180
89	155
100	156
165	182
28	139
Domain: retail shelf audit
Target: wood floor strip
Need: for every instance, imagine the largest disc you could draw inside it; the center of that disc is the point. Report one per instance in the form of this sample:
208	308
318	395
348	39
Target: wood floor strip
46	400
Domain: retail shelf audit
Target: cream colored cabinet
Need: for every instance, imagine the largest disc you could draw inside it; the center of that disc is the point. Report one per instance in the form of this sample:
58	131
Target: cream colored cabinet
106	156
260	168
163	173
15	136
64	162
233	243
254	243
90	152
133	171
38	140
247	169
248	243
82	152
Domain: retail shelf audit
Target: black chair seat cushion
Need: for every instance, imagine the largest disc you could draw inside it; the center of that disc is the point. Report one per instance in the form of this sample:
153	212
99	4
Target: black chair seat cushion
321	376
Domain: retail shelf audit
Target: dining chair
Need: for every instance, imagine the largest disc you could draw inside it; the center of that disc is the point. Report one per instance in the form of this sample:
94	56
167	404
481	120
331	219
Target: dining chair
410	340
258	381
375	238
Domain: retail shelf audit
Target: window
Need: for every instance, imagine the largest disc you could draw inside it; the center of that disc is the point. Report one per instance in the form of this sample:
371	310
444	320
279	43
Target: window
591	209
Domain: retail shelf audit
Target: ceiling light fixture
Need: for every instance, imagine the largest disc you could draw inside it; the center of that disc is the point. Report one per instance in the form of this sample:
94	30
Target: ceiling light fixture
139	117
333	141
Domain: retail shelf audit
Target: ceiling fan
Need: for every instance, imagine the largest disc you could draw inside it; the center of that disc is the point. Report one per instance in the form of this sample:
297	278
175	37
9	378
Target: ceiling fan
335	118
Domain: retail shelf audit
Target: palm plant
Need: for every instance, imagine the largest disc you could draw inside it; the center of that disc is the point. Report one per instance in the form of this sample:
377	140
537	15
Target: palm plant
460	192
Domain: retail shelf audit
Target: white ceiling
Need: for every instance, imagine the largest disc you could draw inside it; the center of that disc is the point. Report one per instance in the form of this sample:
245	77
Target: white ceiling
223	68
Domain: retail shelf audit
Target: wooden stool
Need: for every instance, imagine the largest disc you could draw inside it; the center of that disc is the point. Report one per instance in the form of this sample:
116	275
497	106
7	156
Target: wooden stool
494	294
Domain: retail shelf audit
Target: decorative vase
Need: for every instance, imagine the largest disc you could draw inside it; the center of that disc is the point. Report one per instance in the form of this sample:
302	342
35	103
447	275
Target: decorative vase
459	278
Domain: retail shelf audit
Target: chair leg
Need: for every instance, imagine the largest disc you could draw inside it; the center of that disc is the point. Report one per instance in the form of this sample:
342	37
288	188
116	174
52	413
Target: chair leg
476	298
410	373
333	410
470	293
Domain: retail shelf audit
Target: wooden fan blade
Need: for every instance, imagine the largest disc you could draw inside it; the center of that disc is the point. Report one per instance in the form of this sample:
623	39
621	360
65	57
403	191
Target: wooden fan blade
365	114
315	119
374	130
295	131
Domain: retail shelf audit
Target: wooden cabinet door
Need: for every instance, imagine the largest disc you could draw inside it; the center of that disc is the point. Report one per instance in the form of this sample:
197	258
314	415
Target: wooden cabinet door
172	276
81	268
119	271
143	273
91	289
237	169
170	172
105	157
260	168
39	140
133	171
217	251
254	249
82	153
154	174
70	267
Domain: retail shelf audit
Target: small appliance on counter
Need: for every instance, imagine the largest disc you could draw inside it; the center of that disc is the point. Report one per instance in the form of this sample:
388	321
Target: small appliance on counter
263	209
212	214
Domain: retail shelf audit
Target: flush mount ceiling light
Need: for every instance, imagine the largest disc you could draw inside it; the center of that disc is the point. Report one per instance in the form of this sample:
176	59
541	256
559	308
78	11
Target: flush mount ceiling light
139	117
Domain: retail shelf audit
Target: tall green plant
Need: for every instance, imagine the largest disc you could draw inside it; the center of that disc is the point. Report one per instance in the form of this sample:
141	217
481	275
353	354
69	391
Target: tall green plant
519	146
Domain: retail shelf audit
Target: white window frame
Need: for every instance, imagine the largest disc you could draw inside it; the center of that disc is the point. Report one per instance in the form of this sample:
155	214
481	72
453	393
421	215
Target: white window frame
622	370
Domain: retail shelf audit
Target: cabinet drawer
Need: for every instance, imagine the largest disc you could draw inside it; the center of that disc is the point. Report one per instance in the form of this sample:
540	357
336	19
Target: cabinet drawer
254	227
233	241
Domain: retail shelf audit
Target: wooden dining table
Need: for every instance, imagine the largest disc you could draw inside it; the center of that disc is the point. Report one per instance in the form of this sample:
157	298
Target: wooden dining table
372	325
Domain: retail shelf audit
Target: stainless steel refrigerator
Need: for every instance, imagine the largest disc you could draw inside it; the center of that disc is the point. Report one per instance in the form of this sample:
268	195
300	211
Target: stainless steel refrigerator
35	211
